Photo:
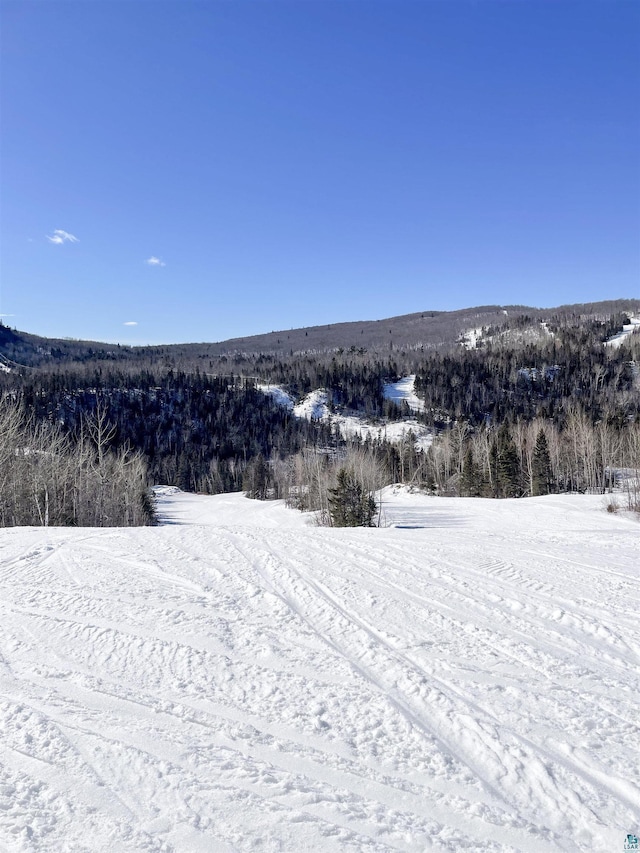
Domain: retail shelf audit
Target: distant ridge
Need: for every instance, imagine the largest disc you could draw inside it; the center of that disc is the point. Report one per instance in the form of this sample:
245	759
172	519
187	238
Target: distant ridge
426	330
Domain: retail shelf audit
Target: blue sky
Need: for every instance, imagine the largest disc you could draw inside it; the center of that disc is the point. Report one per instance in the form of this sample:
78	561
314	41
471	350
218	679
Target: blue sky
234	167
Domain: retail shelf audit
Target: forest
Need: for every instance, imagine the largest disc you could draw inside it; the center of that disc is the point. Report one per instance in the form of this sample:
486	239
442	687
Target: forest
535	406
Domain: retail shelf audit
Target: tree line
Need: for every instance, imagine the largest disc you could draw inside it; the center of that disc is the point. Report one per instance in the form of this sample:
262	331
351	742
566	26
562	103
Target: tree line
521	415
46	478
195	431
512	460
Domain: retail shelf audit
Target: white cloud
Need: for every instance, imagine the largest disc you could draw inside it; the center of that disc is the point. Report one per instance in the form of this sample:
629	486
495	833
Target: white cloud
131	323
155	262
59	237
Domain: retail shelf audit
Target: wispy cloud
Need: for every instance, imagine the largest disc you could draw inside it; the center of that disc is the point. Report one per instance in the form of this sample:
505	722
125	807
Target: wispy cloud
59	237
155	262
131	323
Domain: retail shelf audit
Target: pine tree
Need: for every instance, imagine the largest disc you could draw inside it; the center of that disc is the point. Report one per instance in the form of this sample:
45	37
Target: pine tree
350	505
509	468
183	475
494	458
541	480
505	465
471	484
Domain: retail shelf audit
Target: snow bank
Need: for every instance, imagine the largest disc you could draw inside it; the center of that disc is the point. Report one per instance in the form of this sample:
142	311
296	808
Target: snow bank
464	679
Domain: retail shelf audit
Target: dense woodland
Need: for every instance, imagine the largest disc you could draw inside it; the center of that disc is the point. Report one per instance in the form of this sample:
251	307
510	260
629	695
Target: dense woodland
536	406
194	431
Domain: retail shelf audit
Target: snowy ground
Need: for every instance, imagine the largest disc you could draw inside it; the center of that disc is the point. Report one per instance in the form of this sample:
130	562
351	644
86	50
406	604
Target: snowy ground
628	329
465	678
470	338
403	391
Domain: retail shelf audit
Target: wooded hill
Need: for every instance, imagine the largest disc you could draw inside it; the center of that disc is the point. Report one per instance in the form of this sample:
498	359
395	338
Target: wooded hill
520	401
422	331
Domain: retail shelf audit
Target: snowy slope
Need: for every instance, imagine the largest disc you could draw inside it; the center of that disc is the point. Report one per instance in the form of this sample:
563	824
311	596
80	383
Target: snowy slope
281	397
315	406
403	391
395	432
628	329
470	338
236	679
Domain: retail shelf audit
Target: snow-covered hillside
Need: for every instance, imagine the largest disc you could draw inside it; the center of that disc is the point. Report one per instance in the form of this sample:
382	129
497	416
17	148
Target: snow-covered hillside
315	405
236	679
403	391
628	329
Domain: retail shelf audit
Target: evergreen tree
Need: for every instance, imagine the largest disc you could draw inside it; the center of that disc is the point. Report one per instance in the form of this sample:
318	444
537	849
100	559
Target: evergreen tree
494	457
350	505
470	484
541	480
509	467
183	475
505	465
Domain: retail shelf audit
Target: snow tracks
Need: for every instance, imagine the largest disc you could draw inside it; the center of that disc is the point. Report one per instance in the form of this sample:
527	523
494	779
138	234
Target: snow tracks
469	685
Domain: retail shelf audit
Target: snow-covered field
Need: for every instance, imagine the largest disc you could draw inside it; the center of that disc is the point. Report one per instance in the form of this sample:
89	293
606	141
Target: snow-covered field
466	678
